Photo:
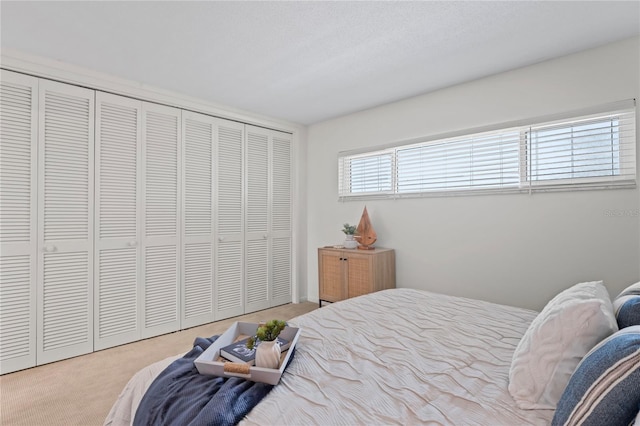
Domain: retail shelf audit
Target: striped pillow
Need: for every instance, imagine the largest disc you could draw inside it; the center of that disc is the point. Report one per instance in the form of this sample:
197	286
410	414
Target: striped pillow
605	387
627	306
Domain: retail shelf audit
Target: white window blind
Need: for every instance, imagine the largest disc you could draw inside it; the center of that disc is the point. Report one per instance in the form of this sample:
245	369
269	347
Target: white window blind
583	151
371	173
592	149
477	161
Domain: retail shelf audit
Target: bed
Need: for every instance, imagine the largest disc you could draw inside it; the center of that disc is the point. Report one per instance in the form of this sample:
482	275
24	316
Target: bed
398	356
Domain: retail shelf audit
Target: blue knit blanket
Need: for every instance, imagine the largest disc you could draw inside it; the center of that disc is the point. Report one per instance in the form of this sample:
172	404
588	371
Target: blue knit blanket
182	396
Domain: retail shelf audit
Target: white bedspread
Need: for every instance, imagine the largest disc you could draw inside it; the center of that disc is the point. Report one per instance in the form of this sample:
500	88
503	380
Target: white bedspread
397	356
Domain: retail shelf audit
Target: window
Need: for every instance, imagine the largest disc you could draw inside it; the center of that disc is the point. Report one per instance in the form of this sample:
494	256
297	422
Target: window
596	150
574	150
371	173
477	161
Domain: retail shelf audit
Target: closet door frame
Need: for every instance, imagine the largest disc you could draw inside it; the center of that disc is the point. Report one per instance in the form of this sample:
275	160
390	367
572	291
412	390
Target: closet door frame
160	245
257	209
117	243
57	247
281	240
19	322
198	271
273	243
229	254
50	69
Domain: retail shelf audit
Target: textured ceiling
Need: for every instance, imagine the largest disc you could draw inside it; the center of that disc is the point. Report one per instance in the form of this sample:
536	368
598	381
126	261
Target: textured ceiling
309	61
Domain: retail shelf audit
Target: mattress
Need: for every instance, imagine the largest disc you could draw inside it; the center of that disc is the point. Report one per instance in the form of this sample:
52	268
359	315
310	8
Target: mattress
398	356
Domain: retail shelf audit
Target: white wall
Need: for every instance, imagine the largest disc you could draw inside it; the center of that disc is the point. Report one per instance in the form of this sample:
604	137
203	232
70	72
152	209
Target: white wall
514	249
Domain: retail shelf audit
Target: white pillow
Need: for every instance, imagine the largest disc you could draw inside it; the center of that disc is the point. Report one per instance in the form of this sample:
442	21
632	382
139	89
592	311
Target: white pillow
568	327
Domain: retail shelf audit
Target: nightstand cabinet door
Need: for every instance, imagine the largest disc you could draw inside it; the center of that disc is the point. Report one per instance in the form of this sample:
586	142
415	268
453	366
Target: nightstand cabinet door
332	275
359	274
347	273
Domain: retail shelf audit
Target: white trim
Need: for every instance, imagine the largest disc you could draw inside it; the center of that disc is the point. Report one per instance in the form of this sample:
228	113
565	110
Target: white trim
38	66
599	109
67	73
623	112
622	184
12	361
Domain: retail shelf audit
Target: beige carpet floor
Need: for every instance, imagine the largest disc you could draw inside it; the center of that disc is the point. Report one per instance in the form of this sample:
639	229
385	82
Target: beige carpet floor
81	390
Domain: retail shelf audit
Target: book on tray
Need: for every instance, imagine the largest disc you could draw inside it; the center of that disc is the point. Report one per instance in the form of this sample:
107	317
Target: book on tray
238	351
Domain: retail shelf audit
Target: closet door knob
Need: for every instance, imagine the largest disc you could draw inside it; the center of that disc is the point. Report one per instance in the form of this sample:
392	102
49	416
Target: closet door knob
50	249
132	243
221	239
265	236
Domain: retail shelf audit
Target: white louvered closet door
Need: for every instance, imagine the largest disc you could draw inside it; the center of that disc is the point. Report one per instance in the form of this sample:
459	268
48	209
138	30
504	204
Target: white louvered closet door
65	223
229	220
281	219
118	160
197	234
18	220
161	154
258	183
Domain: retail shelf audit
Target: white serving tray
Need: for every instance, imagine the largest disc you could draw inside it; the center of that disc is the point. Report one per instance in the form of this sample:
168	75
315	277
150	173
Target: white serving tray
207	363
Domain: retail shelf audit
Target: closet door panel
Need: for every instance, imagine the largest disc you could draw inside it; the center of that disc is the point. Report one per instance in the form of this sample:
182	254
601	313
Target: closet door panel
161	290
198	284
257	275
117	202
161	153
281	219
282	185
65	222
197	234
18	220
229	220
169	220
257	270
281	271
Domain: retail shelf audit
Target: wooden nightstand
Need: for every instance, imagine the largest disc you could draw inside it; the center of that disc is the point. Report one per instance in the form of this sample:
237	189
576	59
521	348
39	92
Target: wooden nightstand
347	273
